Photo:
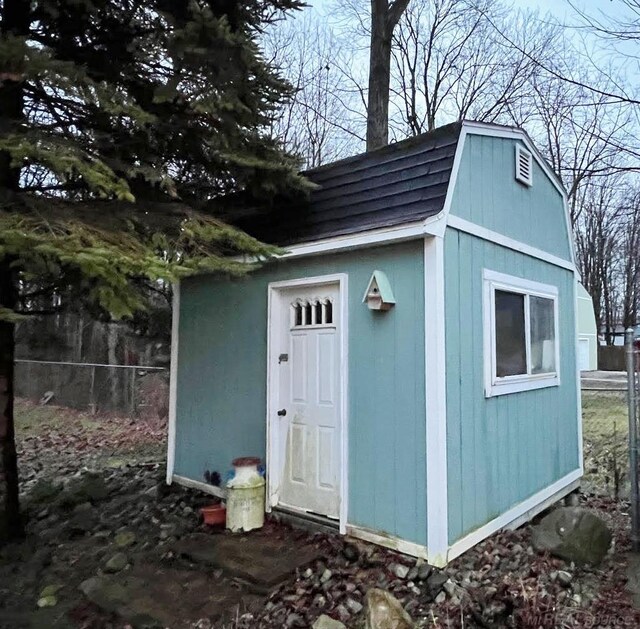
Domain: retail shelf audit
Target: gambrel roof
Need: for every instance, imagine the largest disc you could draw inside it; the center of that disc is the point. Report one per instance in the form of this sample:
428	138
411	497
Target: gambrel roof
398	184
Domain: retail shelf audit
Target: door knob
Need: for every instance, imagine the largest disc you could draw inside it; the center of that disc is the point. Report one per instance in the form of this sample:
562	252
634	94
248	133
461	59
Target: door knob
282	412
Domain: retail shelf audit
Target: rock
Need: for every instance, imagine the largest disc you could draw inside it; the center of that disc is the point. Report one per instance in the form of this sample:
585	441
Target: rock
564	578
326	575
441	598
400	570
47	601
424	570
82	521
118	597
88	487
384	611
44	490
295	620
350	552
412	574
125	538
326	622
450	587
117	563
573	499
105	594
435	583
355	607
573	534
50	590
153	492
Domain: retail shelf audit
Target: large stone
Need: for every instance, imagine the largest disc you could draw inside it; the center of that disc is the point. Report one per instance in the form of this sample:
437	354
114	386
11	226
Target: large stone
574	534
44	490
384	611
326	622
85	488
117	597
118	562
125	538
106	594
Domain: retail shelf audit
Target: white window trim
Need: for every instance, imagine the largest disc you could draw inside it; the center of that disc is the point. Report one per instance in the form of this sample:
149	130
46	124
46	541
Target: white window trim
495	385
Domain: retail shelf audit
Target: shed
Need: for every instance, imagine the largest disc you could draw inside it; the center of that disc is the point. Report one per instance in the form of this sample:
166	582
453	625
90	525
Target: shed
426	425
587	331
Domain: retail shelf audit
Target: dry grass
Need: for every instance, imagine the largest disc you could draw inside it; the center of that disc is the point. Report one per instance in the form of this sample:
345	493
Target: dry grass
606	448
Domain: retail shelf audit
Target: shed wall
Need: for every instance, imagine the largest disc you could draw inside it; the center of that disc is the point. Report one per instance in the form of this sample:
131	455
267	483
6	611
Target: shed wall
487	193
221	399
504	449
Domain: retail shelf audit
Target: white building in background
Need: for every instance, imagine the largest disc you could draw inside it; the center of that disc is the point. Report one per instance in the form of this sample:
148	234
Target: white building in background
587	332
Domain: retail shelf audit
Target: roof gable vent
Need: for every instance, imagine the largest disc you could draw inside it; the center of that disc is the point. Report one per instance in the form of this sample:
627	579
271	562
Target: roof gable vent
524	166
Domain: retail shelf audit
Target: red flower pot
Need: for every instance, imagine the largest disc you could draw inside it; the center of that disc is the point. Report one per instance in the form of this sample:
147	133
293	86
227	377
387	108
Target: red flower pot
214	514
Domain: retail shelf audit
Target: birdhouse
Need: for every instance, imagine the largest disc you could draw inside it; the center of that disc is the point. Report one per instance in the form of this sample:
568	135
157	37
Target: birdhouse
379	295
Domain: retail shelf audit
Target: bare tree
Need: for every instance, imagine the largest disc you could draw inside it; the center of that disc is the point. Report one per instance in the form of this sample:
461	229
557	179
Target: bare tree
580	133
596	245
317	121
449	64
630	255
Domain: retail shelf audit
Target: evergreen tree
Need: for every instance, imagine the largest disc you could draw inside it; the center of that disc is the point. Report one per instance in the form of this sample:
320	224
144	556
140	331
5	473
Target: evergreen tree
123	126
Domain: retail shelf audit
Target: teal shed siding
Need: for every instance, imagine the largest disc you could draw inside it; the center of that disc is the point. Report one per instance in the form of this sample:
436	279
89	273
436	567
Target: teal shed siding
487	193
221	387
501	450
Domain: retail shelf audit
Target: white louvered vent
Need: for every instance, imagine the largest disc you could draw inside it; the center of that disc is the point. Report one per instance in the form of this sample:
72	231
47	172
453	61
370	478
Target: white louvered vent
524	166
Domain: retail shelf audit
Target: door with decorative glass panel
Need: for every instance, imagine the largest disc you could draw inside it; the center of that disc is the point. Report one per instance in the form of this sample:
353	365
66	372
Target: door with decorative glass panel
308	414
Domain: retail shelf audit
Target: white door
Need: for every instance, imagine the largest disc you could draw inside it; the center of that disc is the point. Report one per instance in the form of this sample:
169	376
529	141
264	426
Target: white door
307	420
583	354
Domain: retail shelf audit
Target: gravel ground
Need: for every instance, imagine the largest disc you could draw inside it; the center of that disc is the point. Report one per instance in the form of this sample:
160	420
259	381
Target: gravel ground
96	505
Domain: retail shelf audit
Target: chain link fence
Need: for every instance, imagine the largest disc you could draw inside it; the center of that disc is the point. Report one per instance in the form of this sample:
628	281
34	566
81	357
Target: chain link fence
608	445
605	426
134	390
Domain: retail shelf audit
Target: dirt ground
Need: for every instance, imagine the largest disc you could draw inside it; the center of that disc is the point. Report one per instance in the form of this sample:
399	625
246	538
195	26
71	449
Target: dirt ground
108	547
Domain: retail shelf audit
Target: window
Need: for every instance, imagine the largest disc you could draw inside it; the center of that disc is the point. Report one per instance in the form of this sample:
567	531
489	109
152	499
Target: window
306	313
521	344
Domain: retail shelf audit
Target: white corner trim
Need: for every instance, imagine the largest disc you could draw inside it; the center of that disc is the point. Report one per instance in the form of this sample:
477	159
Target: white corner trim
578	376
504	241
519	514
436	398
388	541
173	382
453	178
196	484
273	341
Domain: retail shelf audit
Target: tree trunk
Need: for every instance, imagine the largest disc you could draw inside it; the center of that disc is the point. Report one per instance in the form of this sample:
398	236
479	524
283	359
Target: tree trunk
379	78
384	18
15	23
10	522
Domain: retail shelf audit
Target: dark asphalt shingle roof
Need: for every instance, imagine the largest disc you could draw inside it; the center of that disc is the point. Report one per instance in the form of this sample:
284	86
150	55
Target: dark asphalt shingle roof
397	184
